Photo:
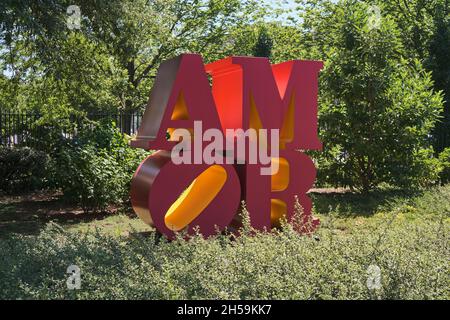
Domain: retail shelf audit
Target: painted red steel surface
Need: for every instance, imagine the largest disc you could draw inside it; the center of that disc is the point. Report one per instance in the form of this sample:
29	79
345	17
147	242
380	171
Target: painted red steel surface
237	83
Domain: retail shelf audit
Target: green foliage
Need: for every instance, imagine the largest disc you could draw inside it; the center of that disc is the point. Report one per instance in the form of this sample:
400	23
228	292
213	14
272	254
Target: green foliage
263	46
110	62
22	169
422	28
377	106
90	178
92	163
95	170
444	158
425	32
376	109
409	244
439	64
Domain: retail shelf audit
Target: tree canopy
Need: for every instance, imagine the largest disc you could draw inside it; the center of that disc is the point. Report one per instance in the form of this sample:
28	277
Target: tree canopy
384	91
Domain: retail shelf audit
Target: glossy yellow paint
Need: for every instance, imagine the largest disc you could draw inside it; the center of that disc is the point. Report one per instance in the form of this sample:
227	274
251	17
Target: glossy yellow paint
280	180
195	198
180	110
171	135
287	129
278	210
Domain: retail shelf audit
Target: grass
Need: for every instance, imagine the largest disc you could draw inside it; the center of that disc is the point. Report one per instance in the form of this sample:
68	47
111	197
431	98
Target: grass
405	234
116	225
29	214
349	211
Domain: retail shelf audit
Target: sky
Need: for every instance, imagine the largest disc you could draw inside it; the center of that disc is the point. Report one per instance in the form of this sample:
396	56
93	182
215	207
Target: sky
281	4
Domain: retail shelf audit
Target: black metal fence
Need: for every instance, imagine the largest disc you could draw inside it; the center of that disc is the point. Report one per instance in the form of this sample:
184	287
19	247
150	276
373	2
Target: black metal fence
26	128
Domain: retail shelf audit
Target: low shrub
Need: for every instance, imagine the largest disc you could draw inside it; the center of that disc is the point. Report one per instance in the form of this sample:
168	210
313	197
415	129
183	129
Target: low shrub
22	169
95	170
413	263
407	244
90	178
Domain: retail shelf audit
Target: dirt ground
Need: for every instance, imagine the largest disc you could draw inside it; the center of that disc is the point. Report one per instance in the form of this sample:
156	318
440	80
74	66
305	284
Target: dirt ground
29	213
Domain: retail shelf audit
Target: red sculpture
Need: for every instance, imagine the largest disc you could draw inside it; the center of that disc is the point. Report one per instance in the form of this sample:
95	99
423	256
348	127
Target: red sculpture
247	93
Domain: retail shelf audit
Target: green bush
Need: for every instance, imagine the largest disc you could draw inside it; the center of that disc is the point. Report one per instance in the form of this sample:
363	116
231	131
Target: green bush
284	265
377	109
90	178
22	169
95	170
409	244
444	158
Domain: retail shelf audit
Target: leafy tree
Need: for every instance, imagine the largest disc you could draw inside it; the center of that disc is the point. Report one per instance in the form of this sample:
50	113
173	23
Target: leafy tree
376	108
263	46
425	32
287	43
438	62
378	102
111	60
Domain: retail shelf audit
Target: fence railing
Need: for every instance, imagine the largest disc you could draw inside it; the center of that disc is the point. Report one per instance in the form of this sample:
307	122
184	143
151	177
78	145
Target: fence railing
26	128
